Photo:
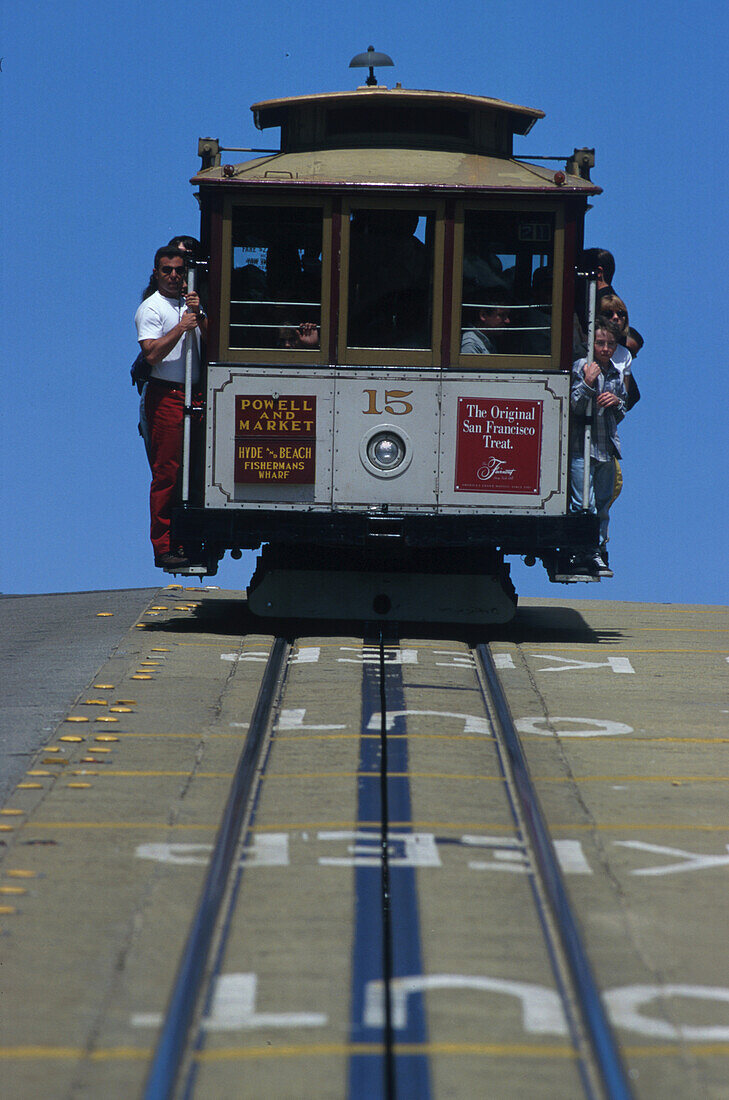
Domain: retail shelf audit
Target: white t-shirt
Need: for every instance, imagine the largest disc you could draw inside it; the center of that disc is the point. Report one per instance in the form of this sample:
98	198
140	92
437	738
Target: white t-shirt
156	317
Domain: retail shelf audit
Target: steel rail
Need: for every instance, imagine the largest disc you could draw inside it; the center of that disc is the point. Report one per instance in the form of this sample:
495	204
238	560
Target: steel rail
172	1039
598	1031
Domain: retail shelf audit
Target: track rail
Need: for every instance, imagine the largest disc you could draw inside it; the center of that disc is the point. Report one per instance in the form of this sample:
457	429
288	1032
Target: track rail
603	1072
386	935
186	993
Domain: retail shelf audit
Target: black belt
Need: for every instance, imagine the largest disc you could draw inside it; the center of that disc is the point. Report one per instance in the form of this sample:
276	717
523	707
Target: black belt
172	385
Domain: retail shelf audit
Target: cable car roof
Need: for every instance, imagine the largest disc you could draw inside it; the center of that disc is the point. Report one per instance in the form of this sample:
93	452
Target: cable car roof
423	168
274	112
375	117
399	137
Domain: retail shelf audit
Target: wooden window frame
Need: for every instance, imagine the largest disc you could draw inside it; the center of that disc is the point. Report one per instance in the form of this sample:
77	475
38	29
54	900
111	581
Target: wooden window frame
278	356
387	357
497	362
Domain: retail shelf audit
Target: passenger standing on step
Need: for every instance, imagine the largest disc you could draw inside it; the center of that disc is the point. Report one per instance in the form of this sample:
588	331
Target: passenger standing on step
596	385
163	320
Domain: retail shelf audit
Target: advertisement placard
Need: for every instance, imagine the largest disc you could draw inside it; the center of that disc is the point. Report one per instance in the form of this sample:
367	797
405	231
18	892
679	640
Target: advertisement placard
275	439
498	445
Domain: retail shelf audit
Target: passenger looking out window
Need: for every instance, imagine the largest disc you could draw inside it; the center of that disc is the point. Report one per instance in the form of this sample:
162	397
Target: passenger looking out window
276	275
483	338
507	260
301	336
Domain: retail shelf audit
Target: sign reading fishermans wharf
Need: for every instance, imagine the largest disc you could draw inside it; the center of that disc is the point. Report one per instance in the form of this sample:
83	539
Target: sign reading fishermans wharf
498	445
275	439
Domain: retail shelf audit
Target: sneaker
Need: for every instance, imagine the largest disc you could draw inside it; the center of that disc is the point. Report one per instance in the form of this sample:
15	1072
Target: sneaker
171	561
604	554
600	565
582	565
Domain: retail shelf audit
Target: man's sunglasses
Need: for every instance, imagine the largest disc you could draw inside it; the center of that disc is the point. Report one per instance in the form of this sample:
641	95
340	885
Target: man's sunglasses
167	269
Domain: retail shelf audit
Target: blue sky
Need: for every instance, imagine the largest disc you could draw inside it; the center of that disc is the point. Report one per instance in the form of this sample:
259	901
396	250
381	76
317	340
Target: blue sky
101	108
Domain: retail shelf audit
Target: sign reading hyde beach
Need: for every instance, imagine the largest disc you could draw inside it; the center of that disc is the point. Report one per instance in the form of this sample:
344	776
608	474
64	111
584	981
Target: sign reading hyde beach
498	445
275	439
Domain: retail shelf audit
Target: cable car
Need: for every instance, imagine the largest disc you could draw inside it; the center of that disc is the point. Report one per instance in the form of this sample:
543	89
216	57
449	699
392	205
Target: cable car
390	301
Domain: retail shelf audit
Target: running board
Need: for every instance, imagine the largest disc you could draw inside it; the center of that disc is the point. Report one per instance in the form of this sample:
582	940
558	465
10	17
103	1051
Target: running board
190	571
574	578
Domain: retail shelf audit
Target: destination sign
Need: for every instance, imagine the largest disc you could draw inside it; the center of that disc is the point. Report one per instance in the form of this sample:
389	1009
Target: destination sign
275	439
498	445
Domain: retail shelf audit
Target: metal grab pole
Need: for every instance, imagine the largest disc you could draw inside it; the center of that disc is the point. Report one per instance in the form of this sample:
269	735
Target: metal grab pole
189	337
591	307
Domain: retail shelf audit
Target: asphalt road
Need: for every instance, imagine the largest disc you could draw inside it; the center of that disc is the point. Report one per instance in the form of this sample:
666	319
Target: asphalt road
50	647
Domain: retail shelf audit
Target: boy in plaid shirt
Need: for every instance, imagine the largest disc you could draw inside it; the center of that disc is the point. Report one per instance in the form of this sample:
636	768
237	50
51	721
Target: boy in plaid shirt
600	385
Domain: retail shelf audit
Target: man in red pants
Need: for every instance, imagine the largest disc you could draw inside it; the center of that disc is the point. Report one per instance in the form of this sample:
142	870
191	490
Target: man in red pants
163	320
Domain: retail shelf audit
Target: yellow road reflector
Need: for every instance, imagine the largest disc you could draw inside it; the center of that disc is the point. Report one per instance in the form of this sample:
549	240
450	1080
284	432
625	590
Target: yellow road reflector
19	872
12	813
96	750
141	676
104	687
159	649
126	702
90	760
159	607
78	786
13	890
32	786
6	828
120	710
73	737
105	718
75	718
7	910
57	760
105	737
104	614
37	771
54	748
141	626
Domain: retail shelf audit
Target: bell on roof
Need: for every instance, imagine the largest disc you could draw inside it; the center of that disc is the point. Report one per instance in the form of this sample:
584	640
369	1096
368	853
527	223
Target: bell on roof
370	60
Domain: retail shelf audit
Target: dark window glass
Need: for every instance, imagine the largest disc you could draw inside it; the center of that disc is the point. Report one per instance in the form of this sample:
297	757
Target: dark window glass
390	279
507	283
275	281
398	119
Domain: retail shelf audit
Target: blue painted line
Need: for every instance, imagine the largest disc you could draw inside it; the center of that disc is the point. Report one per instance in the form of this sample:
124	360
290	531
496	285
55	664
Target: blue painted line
370	1075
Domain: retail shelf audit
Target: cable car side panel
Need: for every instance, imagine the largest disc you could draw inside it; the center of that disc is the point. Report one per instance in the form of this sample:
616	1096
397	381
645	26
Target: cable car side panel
411	441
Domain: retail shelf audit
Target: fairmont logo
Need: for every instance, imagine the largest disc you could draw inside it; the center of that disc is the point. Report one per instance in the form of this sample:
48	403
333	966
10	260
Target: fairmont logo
492	467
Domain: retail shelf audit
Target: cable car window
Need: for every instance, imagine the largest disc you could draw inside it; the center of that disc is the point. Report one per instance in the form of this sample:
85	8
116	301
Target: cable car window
390	279
507	283
275	283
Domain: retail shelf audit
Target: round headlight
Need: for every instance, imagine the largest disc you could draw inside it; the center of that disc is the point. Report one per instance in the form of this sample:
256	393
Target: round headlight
385	451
